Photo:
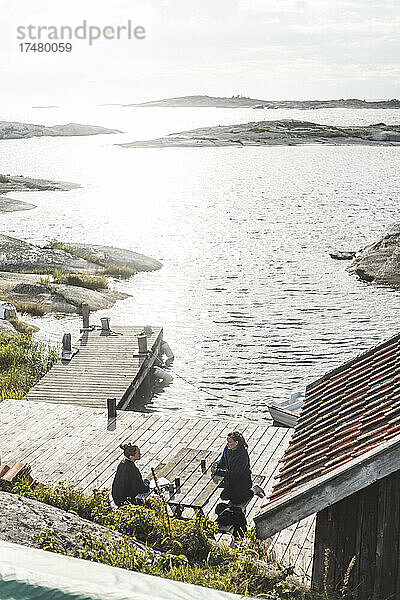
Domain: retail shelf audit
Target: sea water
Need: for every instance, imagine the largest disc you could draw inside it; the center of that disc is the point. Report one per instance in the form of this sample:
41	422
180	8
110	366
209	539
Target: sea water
251	303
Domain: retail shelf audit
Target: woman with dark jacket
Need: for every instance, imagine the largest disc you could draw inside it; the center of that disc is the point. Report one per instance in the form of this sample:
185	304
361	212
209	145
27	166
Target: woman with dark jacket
234	467
128	481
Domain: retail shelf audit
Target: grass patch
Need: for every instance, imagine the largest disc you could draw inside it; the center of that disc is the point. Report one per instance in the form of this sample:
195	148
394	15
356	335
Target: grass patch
117	271
4	179
110	269
23	361
81	280
30	308
55	245
176	549
20	326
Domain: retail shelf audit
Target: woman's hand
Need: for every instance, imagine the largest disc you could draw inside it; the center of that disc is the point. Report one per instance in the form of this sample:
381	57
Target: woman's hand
213	470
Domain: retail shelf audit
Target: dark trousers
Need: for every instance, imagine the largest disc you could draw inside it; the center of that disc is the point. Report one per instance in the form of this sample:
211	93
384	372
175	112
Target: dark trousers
236	495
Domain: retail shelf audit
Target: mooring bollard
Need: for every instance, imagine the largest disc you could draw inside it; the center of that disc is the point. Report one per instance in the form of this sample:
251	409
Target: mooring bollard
85	315
142	343
112	408
66	342
66	353
105	324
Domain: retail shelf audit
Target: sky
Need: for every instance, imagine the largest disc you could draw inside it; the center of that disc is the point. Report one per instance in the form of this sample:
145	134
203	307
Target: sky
268	49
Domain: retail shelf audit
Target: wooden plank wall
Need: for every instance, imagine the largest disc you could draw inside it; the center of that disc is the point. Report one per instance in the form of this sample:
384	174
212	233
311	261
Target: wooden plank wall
365	525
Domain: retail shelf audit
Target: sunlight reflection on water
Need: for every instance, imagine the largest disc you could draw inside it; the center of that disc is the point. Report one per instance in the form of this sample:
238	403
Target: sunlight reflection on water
251	303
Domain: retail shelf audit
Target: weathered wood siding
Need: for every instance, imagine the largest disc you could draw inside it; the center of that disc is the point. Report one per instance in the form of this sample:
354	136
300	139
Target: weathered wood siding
365	525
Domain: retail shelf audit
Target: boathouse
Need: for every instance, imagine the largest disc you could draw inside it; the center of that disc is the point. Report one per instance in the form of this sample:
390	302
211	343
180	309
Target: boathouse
343	463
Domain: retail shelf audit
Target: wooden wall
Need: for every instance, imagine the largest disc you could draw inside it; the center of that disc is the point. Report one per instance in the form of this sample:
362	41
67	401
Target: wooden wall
365	525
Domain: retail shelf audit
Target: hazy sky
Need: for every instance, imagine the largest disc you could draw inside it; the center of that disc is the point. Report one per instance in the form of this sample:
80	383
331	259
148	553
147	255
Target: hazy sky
273	49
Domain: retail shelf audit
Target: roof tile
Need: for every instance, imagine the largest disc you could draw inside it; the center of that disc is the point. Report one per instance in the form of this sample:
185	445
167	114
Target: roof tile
347	412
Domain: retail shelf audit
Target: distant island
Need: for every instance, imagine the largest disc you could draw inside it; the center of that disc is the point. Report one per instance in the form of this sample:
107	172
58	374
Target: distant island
245	102
14	130
18	183
272	133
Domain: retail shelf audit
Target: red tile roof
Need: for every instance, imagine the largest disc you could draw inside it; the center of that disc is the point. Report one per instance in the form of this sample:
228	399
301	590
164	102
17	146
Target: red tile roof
346	413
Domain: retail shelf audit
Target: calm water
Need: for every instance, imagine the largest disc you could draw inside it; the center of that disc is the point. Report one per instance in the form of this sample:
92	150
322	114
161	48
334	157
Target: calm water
251	303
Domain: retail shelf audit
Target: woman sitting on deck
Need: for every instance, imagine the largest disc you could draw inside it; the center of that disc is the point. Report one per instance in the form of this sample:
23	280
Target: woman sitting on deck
128	481
234	467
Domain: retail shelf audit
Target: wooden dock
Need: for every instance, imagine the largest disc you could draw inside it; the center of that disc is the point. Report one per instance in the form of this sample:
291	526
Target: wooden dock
104	364
80	445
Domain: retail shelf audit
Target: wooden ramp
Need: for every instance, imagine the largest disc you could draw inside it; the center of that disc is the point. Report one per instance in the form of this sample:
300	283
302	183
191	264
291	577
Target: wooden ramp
81	445
104	365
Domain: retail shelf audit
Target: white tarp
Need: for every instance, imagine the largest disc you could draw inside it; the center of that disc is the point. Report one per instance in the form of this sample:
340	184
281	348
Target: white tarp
30	574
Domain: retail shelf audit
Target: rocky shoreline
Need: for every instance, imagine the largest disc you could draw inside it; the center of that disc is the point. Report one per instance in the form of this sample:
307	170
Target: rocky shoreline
18	183
11	130
26	274
273	133
245	102
379	262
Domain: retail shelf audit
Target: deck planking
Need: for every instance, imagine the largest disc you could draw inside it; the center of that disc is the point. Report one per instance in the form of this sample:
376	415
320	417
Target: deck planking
103	366
77	445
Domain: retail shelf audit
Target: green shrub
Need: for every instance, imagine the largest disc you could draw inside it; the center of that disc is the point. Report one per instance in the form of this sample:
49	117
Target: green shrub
23	361
146	522
241	572
188	552
4	179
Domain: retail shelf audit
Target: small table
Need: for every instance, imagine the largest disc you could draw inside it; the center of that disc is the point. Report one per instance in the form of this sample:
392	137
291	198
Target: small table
197	488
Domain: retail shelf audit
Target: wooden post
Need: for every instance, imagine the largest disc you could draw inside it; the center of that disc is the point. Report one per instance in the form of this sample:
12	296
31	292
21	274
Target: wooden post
66	353
85	315
142	343
105	324
112	408
66	343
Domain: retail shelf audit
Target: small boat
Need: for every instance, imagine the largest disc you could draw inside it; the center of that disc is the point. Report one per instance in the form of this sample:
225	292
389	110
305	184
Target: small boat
286	413
342	255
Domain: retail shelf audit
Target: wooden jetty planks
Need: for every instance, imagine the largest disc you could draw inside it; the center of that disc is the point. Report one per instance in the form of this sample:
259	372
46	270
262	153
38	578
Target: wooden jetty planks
105	366
75	444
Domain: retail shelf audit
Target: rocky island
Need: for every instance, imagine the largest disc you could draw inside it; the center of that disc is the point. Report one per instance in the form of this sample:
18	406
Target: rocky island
380	262
58	277
13	130
271	133
19	183
245	102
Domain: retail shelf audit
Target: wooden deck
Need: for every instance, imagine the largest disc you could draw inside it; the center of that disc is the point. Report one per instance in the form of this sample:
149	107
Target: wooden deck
79	445
103	366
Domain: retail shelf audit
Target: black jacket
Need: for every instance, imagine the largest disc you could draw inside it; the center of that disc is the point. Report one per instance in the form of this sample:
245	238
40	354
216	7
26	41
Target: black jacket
234	467
128	482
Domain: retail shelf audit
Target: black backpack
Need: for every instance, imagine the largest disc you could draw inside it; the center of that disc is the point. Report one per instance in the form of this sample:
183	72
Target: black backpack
233	516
